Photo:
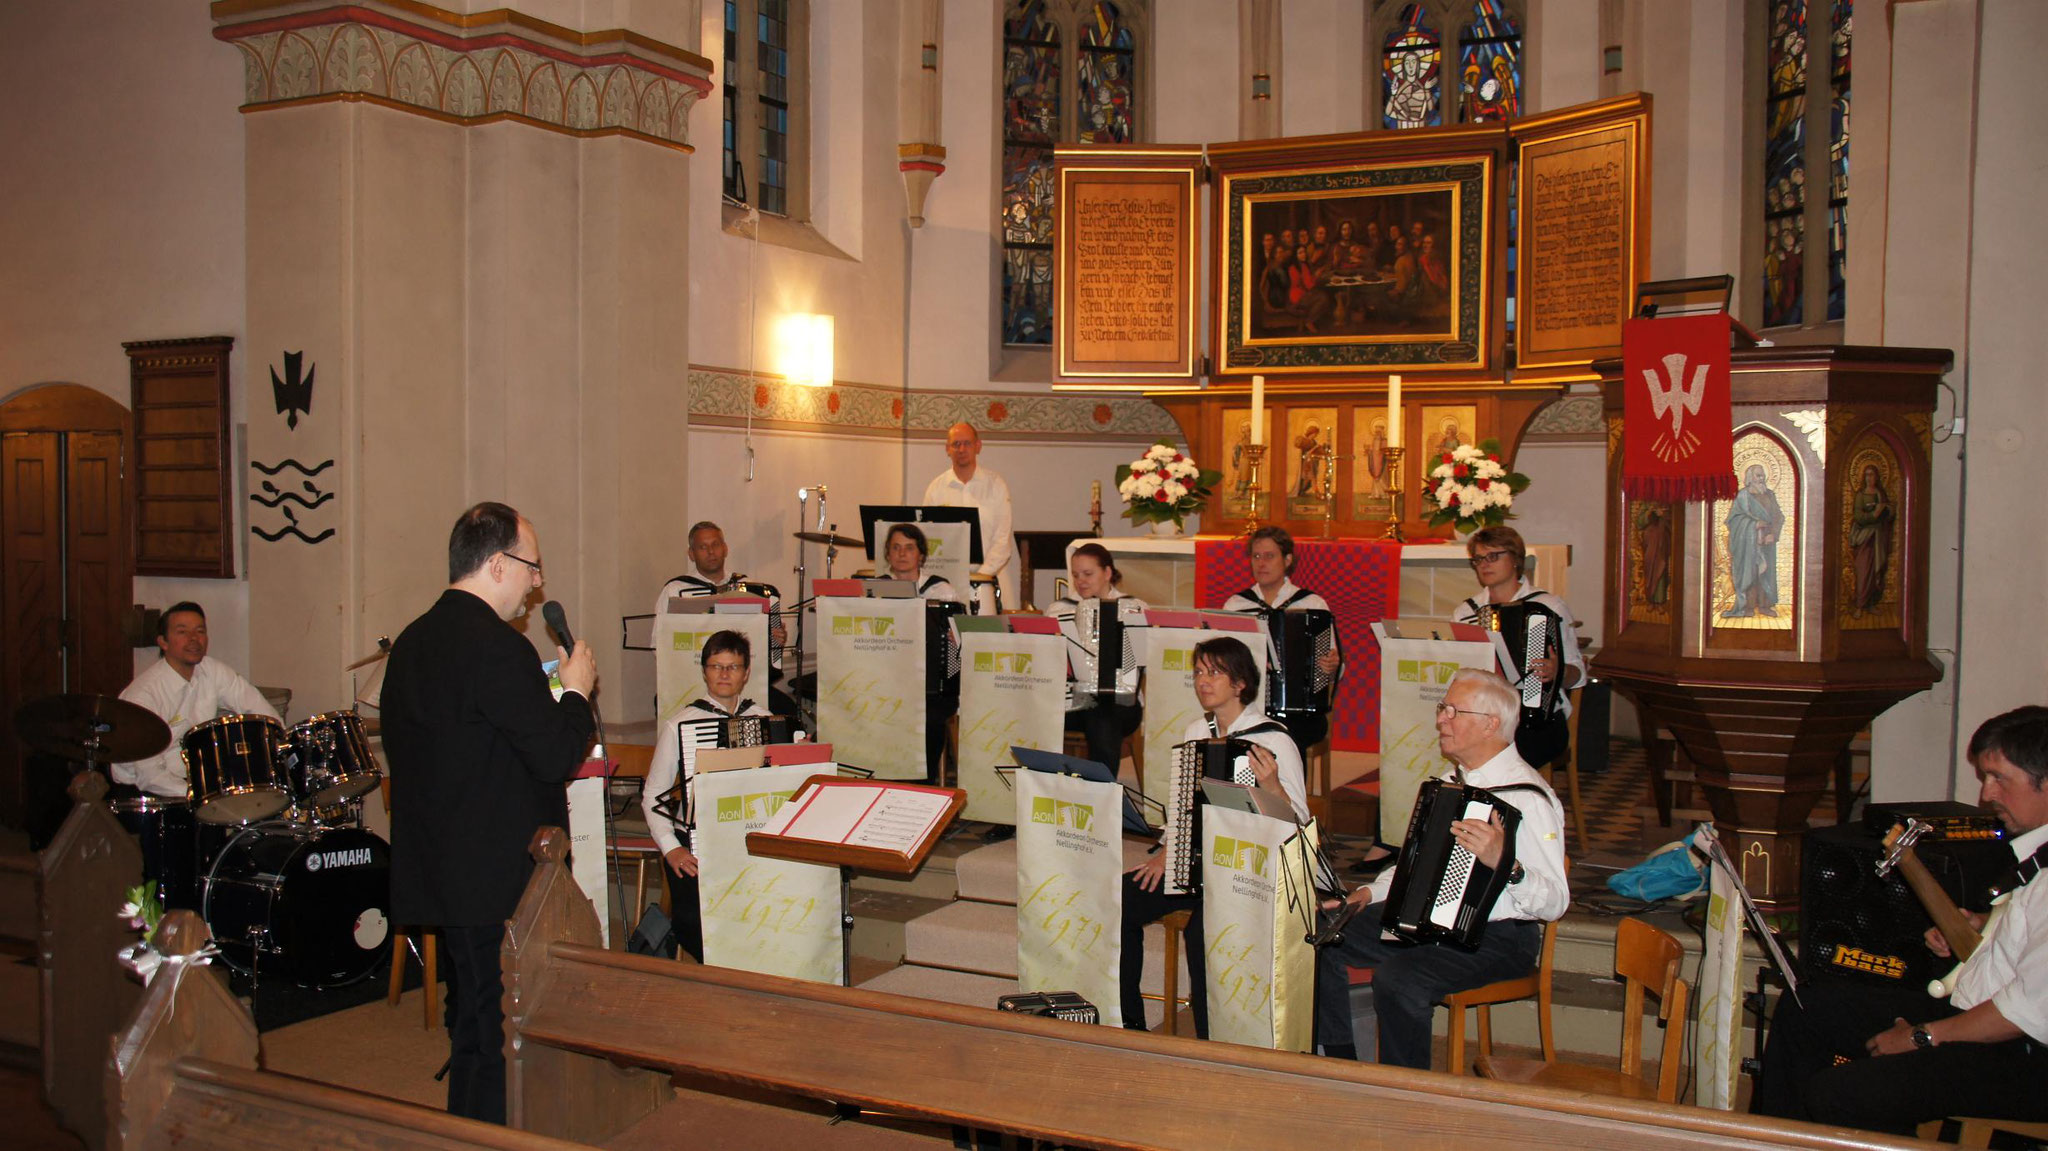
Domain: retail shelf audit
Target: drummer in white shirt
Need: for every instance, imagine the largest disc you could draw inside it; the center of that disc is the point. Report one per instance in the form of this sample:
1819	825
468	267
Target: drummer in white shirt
184	688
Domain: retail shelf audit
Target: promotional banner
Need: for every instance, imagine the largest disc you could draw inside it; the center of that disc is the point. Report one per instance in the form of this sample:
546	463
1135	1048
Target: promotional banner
586	851
1720	991
1415	670
871	683
679	638
1013	692
1257	903
949	556
768	915
1170	694
1070	900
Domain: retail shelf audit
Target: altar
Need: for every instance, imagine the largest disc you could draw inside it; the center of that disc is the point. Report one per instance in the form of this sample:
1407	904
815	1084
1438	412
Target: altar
1364	580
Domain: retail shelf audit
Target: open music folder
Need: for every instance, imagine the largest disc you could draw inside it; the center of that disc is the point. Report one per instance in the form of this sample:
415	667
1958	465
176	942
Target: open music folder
868	824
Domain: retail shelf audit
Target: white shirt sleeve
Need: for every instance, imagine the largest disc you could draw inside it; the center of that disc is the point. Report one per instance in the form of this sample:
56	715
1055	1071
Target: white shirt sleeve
238	696
997	544
1544	892
662	771
164	772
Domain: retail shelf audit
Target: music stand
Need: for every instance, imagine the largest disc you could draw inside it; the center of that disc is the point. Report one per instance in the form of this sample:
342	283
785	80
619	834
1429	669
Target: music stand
886	515
1055	763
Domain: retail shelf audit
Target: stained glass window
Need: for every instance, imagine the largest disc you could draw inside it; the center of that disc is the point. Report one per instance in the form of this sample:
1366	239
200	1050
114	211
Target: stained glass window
732	101
1838	161
1785	166
1031	126
772	59
1490	65
1409	68
1104	69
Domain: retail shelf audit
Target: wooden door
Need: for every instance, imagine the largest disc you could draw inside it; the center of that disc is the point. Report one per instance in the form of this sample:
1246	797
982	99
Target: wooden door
98	573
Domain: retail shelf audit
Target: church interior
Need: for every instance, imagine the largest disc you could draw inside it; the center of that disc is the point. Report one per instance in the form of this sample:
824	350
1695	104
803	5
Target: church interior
292	283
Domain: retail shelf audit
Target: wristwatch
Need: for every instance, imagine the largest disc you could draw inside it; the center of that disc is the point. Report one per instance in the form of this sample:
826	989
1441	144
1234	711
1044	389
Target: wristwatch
1923	1038
1517	873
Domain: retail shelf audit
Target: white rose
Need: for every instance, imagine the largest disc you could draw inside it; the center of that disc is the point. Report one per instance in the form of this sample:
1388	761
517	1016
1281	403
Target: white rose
1148	485
1160	452
1175	489
1124	489
1185	469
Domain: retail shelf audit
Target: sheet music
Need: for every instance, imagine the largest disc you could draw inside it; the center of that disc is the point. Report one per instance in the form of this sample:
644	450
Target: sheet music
862	815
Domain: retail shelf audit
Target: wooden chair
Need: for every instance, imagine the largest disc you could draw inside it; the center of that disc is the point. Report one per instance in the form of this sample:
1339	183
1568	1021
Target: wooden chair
1648	961
1535	984
424	945
1174	922
1570	762
1977	1132
630	846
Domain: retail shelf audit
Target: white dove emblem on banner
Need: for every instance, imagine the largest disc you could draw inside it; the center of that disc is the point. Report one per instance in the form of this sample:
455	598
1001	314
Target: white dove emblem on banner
1675	401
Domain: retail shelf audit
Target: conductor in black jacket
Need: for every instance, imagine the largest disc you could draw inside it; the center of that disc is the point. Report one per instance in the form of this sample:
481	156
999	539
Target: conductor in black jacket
479	753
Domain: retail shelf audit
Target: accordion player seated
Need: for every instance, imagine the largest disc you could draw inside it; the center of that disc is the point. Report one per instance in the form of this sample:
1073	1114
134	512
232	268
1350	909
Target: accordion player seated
1303	656
1232	741
1475	731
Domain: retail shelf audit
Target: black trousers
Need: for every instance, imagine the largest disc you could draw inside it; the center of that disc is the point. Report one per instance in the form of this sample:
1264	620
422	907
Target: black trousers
476	1022
686	914
1802	1079
1409	979
1105	726
938	709
1140	908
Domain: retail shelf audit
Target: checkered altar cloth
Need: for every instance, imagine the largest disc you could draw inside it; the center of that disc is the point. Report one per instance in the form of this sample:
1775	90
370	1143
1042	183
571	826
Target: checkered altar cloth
1361	579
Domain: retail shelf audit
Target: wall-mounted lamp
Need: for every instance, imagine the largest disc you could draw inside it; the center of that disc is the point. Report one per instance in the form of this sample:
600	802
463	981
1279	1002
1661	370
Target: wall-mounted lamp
803	342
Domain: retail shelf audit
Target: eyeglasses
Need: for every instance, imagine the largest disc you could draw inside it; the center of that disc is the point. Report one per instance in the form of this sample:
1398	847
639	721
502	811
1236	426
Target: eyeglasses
725	668
1445	708
527	562
1489	557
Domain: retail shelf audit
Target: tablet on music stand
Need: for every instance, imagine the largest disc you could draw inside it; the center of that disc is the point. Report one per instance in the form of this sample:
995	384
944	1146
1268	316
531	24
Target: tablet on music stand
875	520
1057	764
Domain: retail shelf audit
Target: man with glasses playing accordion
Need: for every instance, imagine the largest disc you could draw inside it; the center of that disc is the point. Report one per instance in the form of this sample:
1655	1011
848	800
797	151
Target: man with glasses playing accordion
728	660
1475	726
1226	682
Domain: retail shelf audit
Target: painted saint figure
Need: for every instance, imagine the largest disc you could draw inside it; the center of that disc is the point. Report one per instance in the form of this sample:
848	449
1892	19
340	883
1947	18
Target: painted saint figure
1754	522
1870	539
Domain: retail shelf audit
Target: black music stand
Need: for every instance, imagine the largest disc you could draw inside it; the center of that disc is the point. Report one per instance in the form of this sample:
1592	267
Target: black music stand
876	518
1055	763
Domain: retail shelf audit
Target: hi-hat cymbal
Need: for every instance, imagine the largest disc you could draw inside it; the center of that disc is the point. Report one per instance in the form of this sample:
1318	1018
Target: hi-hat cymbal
830	538
95	727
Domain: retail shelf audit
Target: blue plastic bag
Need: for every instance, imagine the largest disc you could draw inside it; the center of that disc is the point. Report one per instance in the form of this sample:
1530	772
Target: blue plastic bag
1670	872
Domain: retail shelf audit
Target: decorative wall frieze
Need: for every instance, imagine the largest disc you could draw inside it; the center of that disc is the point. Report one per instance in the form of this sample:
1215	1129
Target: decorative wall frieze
468	68
721	397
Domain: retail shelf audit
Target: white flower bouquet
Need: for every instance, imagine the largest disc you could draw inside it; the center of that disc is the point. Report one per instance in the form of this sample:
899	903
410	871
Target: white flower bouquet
1472	489
1164	485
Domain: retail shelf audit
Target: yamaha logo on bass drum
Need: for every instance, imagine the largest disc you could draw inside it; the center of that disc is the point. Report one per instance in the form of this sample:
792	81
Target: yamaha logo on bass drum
327	860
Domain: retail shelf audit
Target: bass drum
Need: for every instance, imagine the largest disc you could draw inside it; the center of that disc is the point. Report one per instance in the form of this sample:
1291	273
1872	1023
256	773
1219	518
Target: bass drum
312	905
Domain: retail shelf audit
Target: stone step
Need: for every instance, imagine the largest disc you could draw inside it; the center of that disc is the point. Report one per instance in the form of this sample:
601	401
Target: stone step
963	987
966	935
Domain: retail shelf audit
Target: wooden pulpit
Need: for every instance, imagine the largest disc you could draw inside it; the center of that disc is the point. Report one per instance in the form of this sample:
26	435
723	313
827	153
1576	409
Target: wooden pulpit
1766	630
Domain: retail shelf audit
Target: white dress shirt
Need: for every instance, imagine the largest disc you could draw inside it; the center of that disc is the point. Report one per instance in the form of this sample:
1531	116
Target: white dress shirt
989	495
2010	968
1568	635
1543	894
214	690
1286	756
673	756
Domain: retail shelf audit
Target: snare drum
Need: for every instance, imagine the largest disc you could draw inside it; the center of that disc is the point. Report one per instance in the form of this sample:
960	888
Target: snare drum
331	760
235	770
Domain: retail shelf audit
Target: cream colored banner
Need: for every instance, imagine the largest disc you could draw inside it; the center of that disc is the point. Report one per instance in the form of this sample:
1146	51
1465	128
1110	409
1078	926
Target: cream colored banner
1170	695
871	701
1070	896
1414	674
768	915
679	671
1254	912
1013	692
950	549
1720	992
586	851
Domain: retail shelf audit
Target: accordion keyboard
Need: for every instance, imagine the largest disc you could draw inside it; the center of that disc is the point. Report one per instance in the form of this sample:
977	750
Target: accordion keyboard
1450	894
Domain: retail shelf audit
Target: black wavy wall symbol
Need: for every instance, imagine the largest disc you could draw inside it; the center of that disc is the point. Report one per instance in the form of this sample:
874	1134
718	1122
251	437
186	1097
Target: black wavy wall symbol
273	469
282	496
292	530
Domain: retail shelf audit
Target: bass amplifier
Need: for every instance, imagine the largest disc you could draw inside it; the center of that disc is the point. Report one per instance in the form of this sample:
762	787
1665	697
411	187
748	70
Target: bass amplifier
1855	925
1948	819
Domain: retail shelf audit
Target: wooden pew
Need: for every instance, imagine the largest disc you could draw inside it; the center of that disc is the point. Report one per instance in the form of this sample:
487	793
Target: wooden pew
183	1075
592	1036
81	880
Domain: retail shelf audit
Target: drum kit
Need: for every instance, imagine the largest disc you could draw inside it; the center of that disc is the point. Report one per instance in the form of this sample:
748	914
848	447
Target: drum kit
267	844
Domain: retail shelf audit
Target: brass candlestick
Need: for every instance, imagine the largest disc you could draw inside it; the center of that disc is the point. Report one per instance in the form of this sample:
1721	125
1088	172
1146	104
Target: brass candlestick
1396	506
1254	492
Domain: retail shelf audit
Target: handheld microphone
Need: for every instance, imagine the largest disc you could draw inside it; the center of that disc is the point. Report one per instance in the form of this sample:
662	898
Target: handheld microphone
558	622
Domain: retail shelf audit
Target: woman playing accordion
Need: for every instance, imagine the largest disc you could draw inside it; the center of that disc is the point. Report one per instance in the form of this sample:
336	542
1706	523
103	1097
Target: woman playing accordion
1497	556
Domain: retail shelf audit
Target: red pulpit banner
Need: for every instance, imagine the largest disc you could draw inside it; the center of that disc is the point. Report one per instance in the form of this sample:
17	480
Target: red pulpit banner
1360	580
1677	417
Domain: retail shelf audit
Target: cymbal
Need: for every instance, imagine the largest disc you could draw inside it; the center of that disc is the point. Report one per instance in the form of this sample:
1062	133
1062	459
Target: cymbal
95	727
830	538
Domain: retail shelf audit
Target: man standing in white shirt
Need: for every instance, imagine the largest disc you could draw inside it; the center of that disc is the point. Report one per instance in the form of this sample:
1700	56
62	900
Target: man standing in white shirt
968	485
184	688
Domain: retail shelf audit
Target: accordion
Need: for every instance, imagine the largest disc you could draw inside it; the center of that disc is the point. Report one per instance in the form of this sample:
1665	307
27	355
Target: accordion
942	649
1528	631
1193	762
1296	684
1065	1005
1441	893
737	731
1106	664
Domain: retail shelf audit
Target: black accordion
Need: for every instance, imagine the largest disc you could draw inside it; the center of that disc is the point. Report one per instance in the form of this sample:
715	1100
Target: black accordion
942	649
737	731
1193	762
1065	1005
1296	684
1441	893
1531	632
1108	655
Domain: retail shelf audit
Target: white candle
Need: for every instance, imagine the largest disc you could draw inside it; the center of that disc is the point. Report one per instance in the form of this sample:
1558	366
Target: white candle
1393	411
1258	409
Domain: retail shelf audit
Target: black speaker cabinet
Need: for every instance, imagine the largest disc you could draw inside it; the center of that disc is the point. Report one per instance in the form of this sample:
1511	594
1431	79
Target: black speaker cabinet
1854	925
